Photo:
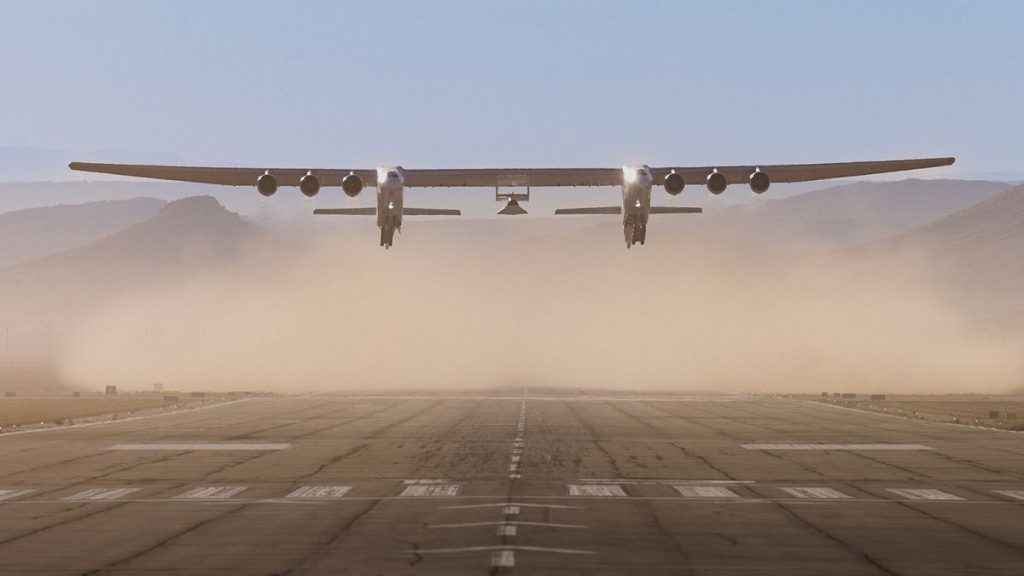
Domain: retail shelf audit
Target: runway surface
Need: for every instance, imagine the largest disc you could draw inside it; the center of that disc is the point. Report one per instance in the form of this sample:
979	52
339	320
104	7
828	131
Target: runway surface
516	483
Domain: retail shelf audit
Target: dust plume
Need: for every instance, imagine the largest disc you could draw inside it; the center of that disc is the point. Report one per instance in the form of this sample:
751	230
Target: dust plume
458	305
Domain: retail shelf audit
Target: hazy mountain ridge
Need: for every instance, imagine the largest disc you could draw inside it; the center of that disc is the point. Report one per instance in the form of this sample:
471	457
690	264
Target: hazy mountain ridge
854	213
979	251
185	235
37	232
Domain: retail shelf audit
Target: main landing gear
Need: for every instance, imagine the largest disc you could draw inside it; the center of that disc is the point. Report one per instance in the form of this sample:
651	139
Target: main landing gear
635	232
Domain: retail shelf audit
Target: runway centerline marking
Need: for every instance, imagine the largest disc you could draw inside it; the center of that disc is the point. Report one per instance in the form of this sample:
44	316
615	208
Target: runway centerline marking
515	460
878	446
705	492
607	490
15	493
503	559
924	494
815	492
199	447
101	494
319	492
417	491
211	493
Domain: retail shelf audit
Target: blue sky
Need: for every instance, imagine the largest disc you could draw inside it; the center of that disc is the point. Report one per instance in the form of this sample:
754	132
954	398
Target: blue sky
479	83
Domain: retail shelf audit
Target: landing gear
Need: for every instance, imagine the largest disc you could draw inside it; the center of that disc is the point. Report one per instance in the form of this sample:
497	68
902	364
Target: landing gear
387	236
640	233
635	232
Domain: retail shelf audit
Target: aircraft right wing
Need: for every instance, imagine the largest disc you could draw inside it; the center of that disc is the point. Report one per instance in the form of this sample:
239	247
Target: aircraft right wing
798	172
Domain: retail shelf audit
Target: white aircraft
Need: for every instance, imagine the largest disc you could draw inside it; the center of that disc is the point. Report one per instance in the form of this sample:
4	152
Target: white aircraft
391	181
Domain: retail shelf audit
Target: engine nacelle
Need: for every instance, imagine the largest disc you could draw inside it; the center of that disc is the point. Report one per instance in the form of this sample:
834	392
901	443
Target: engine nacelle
674	183
266	184
759	182
309	184
352	185
716	182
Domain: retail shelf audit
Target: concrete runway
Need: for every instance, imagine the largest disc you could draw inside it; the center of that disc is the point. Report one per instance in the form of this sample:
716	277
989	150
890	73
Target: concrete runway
513	484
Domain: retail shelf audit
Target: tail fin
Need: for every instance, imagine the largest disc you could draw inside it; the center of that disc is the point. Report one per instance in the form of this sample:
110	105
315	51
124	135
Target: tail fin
346	211
431	212
595	210
676	210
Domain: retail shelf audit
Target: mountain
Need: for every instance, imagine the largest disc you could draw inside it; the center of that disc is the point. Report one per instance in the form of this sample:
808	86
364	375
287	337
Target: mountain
36	232
977	252
189	235
854	213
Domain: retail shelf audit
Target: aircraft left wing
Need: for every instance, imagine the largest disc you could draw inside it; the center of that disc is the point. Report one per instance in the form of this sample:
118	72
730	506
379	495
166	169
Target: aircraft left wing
225	176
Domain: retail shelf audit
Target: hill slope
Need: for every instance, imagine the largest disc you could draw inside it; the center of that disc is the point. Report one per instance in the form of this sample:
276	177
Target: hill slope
854	213
37	232
186	235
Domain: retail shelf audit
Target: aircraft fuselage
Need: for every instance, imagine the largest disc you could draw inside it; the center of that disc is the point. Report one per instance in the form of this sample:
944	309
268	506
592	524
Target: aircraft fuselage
637	182
390	202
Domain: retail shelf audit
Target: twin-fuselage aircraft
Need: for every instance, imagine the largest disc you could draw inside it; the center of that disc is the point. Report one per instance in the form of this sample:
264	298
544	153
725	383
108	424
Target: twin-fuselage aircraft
637	183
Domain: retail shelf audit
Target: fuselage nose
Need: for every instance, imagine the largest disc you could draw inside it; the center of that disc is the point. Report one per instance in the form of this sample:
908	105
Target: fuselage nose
390	177
637	175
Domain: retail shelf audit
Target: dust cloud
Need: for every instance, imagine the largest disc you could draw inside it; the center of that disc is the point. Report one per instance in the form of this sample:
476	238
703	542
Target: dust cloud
482	304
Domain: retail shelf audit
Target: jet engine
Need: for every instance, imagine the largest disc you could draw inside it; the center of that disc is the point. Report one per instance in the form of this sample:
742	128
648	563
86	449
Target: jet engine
352	185
266	184
716	182
674	183
759	182
309	184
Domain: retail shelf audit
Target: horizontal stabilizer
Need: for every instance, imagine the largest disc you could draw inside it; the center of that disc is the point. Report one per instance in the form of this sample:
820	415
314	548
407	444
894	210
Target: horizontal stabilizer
595	210
347	211
676	210
430	212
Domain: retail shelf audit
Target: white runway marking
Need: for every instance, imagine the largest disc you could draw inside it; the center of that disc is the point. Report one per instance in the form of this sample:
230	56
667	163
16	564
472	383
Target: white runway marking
199	447
608	490
822	493
705	492
923	494
211	492
320	492
101	494
426	481
669	482
510	510
506	530
503	559
12	494
836	447
510	548
508	523
432	490
517	504
1018	494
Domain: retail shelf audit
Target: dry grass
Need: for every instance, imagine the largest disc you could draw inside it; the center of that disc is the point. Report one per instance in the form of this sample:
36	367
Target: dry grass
23	411
963	409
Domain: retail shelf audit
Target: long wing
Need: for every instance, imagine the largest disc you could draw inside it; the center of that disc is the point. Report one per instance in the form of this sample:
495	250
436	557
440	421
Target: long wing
511	177
800	172
225	176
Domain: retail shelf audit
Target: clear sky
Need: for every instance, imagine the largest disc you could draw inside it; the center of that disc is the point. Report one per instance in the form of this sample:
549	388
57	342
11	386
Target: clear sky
545	83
